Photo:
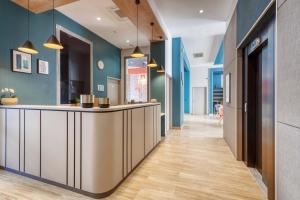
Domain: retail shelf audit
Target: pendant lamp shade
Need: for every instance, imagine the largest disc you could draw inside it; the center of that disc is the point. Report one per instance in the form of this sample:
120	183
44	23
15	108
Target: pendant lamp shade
52	42
28	46
152	63
137	53
161	69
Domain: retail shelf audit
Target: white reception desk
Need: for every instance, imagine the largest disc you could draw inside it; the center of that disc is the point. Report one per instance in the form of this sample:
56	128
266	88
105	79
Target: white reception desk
90	151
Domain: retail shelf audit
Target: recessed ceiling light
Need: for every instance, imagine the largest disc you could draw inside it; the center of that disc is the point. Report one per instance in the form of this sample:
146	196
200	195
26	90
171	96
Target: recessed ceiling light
201	11
127	41
99	18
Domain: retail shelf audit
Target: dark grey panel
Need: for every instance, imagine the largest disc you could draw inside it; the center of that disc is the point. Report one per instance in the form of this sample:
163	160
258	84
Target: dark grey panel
248	11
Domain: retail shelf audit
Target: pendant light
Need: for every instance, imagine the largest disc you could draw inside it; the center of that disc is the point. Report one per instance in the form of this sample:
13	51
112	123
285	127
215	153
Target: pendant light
161	69
137	53
28	47
152	62
52	42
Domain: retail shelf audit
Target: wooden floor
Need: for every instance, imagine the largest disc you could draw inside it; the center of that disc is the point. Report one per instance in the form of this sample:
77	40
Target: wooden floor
192	164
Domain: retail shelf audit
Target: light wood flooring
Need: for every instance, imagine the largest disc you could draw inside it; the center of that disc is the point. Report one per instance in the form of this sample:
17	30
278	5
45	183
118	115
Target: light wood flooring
192	164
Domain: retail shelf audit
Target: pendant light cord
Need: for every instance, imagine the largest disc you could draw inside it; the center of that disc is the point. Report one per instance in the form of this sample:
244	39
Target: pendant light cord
152	24
53	18
28	19
137	22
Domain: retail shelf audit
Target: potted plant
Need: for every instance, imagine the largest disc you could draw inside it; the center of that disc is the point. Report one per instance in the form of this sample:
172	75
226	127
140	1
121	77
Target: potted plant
8	97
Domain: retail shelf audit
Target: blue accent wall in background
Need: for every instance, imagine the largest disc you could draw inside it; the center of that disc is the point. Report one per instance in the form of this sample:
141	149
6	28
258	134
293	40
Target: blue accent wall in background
41	89
215	80
179	57
219	60
157	80
248	11
215	76
186	89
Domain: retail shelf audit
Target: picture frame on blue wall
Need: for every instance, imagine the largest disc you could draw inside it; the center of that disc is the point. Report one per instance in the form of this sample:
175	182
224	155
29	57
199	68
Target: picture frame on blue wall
42	67
228	88
21	62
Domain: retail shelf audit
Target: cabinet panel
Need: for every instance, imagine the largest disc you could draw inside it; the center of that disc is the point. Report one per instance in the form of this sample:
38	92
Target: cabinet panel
32	142
54	146
2	137
158	118
102	151
77	157
22	140
125	142
138	133
13	139
129	141
71	148
149	129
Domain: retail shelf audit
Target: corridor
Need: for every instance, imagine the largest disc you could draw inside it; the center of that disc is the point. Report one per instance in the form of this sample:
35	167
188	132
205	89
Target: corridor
192	164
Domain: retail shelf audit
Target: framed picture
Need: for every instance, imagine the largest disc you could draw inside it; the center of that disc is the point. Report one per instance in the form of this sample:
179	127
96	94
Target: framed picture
42	67
21	62
228	86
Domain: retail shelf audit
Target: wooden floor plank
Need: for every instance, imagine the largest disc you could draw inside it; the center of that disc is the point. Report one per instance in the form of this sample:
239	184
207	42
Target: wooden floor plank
192	164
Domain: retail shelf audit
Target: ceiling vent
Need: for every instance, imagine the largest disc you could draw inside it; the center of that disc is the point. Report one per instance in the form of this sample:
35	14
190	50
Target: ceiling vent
198	55
117	13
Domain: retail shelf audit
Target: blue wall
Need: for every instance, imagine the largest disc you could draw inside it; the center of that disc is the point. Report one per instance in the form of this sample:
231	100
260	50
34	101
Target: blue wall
215	76
179	59
41	89
186	89
219	60
248	12
214	83
157	80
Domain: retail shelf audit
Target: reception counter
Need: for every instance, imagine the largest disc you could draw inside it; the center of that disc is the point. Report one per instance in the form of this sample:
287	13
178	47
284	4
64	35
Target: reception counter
90	151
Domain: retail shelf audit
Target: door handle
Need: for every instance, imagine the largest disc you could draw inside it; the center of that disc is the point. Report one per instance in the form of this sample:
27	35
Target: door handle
245	107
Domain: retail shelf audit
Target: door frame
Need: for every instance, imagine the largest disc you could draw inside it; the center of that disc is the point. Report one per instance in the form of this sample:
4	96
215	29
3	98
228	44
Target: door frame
60	28
119	92
125	78
264	24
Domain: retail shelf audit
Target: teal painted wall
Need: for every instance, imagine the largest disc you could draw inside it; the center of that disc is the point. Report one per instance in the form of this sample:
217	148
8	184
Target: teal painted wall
179	57
214	82
248	11
215	76
186	89
219	60
157	80
41	89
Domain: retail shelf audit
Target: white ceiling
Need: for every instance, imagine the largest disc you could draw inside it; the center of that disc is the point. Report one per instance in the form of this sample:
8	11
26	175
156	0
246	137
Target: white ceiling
199	32
110	27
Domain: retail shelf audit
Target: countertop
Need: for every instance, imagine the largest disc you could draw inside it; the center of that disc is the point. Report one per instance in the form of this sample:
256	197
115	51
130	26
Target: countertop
77	108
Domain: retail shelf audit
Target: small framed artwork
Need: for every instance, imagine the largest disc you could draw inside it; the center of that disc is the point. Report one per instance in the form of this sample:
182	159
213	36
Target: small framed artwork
228	86
42	67
21	62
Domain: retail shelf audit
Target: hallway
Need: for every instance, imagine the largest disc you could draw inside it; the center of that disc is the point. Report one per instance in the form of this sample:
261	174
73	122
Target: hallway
195	163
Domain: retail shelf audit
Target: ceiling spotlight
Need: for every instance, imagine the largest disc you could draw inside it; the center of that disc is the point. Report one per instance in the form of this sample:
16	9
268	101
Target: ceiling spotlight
201	11
127	41
99	18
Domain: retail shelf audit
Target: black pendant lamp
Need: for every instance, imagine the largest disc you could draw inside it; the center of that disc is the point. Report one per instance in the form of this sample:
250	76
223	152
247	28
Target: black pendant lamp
28	46
152	62
52	42
137	53
161	69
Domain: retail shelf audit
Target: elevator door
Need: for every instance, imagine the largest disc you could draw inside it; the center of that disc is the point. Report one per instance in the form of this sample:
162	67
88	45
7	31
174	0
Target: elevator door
259	111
